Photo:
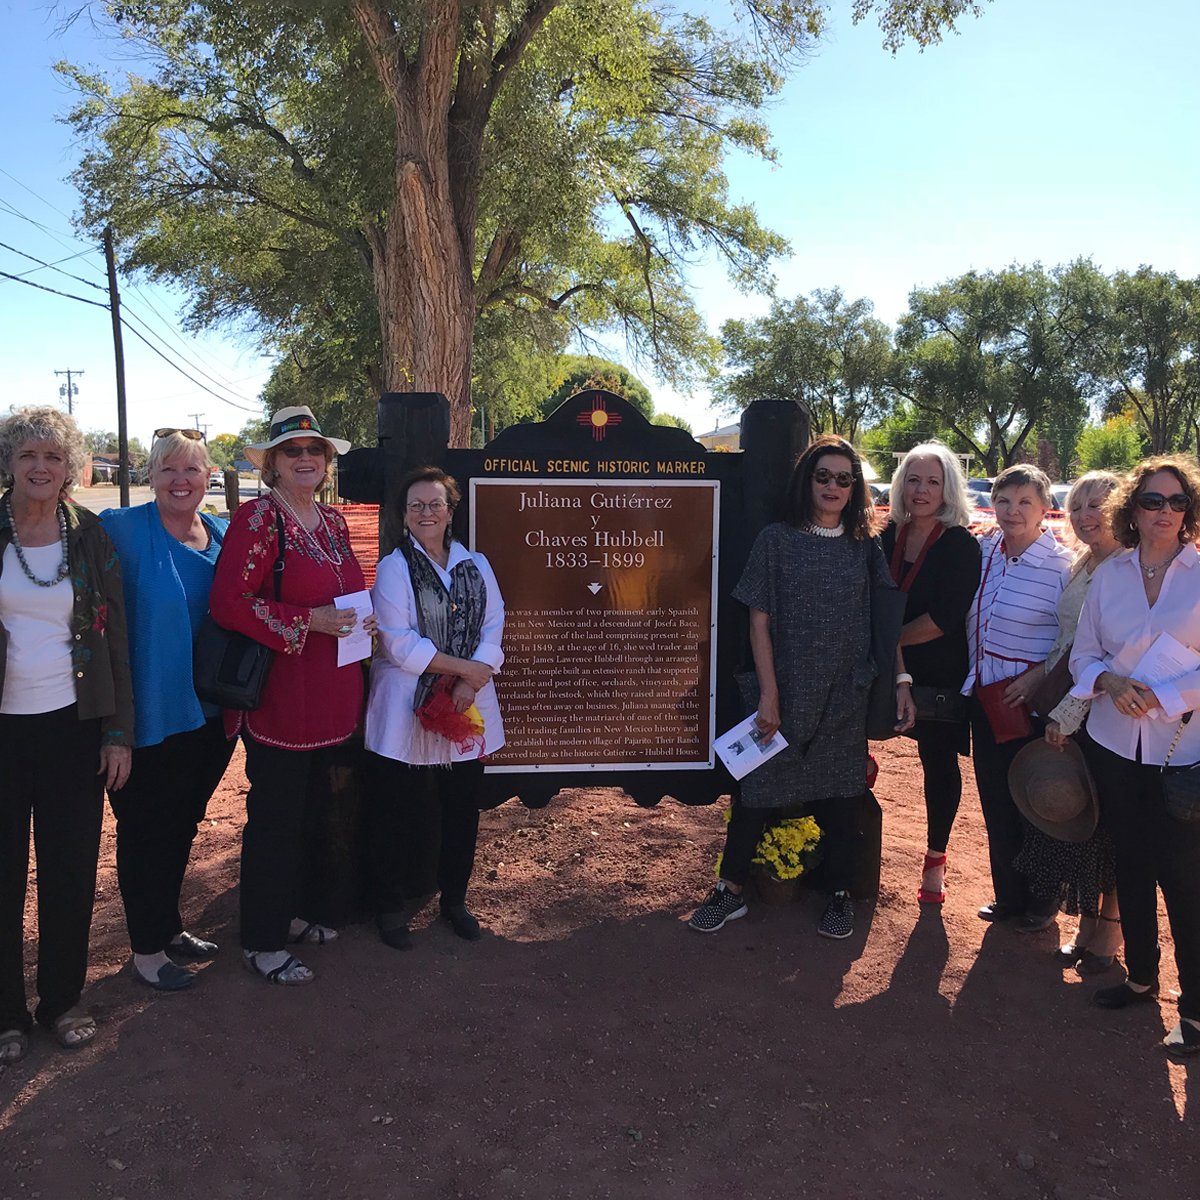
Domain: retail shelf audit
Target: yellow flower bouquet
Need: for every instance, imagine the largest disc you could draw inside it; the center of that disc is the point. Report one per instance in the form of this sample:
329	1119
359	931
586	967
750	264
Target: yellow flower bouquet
791	848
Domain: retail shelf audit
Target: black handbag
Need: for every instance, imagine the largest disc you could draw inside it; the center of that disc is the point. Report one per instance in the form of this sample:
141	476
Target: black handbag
1181	787
939	704
887	619
230	669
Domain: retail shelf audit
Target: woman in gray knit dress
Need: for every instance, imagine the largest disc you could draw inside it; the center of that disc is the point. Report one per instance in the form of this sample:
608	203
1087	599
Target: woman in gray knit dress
808	587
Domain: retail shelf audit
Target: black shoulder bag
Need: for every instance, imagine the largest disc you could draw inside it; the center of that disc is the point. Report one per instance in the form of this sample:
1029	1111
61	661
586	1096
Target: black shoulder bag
230	669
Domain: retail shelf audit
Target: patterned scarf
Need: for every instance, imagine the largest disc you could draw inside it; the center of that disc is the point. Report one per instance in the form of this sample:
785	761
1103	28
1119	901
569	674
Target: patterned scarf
452	621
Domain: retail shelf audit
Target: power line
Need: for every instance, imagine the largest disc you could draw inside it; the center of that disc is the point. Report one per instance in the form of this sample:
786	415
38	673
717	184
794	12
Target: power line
52	267
182	372
41	287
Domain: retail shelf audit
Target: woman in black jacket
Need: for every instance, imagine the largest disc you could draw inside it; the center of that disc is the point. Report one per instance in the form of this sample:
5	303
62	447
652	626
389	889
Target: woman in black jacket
935	559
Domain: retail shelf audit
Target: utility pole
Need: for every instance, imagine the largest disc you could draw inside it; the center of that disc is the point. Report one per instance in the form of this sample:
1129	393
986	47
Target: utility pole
69	390
196	417
114	308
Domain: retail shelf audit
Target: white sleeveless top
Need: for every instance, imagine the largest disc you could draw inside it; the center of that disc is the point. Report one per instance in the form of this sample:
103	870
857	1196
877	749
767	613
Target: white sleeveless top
37	676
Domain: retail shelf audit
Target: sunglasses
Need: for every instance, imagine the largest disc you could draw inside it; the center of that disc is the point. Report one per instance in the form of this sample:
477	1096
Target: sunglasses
294	451
843	479
193	435
416	507
1153	501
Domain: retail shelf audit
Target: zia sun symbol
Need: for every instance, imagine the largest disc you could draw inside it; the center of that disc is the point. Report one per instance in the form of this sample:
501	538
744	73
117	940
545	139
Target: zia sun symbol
599	418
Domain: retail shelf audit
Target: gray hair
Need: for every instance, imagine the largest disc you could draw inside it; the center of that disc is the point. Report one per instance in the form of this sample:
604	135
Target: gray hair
175	444
1024	475
956	505
33	424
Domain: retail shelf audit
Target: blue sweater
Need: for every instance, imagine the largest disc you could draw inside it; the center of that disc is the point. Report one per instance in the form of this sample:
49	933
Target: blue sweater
160	625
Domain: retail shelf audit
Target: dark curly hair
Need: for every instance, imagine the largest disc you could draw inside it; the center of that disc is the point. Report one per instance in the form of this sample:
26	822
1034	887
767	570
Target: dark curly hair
427	475
1121	506
858	517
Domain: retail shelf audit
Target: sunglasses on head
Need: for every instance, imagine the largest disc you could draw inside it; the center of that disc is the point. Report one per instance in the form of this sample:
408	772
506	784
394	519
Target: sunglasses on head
294	451
1154	501
843	479
193	435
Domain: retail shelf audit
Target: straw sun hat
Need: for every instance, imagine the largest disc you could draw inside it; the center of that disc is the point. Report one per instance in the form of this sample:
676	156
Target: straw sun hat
1054	791
290	423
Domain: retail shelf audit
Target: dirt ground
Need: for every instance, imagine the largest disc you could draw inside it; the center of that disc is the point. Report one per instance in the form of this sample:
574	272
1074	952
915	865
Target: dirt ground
592	1046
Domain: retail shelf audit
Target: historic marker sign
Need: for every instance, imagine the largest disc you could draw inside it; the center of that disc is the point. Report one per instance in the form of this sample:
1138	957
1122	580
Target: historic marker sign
610	646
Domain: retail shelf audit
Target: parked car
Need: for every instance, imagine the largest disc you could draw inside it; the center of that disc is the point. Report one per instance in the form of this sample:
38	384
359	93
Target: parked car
981	488
216	480
1058	493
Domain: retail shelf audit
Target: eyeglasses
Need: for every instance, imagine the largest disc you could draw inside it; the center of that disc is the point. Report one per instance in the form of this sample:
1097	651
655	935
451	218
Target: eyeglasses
416	507
843	479
314	450
1153	501
193	435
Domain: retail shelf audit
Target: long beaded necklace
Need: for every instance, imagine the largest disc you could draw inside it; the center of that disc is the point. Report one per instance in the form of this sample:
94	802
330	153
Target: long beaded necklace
63	570
331	556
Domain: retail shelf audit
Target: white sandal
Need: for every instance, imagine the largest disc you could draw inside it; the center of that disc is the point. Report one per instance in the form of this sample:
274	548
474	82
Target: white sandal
312	934
289	973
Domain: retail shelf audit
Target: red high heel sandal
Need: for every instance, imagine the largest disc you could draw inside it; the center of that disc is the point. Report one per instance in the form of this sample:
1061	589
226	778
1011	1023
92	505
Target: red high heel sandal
925	896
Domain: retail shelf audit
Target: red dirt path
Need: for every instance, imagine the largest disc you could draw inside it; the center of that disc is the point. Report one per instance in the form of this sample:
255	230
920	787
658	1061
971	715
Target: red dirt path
591	1046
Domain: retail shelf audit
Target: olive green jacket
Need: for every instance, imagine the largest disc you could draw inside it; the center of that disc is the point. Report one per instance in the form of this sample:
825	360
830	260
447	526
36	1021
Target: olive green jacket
99	644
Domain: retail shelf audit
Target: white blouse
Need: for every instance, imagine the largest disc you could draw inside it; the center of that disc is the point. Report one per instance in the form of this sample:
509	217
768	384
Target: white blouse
402	655
38	676
1117	627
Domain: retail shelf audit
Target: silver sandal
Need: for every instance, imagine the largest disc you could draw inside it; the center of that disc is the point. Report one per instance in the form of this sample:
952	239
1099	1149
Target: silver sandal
290	973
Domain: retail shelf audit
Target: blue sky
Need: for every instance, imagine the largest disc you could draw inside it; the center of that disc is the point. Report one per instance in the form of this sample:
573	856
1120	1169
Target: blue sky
1046	130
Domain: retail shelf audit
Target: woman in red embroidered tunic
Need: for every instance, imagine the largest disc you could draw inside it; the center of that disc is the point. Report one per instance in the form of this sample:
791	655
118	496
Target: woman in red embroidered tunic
309	703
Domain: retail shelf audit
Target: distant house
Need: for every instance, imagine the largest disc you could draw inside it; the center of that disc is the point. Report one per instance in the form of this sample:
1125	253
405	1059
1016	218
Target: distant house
727	437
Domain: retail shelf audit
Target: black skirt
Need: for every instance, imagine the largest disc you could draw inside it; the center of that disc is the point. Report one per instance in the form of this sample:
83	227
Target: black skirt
1076	874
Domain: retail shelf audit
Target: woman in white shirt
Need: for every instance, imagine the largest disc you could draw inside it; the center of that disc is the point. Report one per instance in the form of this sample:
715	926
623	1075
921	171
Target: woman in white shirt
432	713
1135	598
1011	627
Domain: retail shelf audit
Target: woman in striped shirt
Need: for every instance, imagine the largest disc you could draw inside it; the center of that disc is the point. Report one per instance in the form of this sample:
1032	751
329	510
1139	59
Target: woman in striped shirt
1011	628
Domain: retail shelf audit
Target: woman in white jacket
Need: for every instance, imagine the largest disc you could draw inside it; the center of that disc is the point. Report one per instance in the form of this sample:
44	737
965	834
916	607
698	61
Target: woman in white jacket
432	713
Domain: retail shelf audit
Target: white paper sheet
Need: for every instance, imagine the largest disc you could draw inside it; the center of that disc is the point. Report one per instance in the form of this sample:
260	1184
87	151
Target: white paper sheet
1167	660
357	645
743	747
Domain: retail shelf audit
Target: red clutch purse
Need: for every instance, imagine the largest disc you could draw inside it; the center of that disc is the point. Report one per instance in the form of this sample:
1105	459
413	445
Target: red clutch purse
1007	723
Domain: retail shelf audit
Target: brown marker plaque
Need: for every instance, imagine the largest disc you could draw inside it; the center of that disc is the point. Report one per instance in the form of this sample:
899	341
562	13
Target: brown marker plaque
609	638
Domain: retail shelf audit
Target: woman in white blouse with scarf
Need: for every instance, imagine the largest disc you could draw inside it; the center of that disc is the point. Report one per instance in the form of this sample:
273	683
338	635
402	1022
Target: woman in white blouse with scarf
432	713
1135	598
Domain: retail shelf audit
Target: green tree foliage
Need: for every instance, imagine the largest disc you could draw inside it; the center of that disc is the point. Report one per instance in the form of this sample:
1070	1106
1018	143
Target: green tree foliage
575	372
1112	446
1148	356
223	451
989	354
830	354
97	440
671	419
902	429
365	180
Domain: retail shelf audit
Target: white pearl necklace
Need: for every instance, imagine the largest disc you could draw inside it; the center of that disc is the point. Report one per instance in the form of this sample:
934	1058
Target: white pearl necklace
822	530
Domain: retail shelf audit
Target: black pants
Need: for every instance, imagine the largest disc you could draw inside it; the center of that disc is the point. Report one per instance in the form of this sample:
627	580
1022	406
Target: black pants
48	764
279	832
1153	850
841	838
400	840
1005	825
157	813
938	743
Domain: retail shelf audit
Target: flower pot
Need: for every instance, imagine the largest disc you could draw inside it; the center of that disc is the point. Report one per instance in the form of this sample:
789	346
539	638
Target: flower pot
775	891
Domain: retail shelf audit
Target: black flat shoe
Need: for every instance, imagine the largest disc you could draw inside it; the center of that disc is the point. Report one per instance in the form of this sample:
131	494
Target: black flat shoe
462	922
393	931
171	978
1123	996
1094	964
192	949
998	912
1183	1041
1034	922
1068	956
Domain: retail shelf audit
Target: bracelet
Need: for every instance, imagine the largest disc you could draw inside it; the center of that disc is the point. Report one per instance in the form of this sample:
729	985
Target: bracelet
904	677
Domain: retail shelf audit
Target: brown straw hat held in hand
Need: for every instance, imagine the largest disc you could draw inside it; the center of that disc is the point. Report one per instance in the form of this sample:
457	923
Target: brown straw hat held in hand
1054	791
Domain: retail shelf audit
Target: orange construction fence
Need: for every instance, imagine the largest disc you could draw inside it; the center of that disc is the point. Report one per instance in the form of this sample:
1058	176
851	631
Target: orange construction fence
363	523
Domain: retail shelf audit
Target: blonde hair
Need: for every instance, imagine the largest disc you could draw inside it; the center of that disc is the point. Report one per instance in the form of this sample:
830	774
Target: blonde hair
175	444
267	471
956	506
1083	489
34	424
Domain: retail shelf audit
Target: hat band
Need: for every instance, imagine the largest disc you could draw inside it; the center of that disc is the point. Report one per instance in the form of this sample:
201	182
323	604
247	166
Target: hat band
294	424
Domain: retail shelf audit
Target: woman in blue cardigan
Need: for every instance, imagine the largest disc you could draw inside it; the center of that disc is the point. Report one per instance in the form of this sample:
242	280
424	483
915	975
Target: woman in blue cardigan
168	551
